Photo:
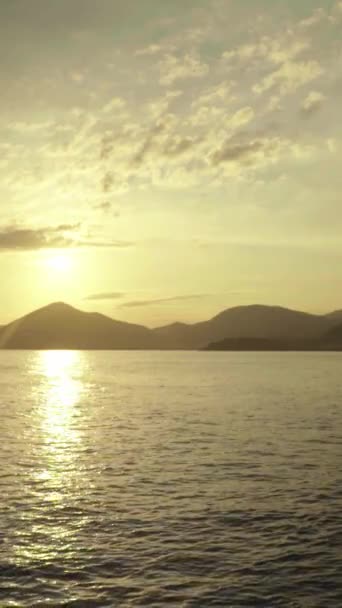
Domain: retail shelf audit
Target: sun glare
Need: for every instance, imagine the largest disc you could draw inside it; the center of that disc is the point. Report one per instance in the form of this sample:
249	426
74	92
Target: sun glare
60	262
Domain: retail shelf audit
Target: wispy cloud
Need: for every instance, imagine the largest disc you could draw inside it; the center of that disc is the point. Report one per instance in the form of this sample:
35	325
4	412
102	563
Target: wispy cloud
173	68
151	49
238	152
106	244
113	295
290	76
203	86
174	299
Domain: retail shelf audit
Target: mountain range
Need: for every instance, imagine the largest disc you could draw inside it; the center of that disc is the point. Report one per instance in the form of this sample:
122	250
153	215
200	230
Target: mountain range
257	327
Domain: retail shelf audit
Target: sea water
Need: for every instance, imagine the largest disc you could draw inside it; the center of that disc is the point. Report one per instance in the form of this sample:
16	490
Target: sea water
170	479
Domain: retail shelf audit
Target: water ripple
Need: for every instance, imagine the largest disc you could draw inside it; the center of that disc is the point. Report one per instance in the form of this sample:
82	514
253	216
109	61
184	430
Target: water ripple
173	479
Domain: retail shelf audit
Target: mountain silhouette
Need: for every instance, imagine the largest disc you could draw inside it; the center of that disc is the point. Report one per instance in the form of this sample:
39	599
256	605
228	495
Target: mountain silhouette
60	326
335	317
257	327
334	335
263	344
256	321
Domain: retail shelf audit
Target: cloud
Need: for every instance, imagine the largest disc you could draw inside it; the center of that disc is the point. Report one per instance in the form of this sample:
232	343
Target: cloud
114	105
289	77
220	93
107	182
283	52
312	103
240	118
29	128
246	152
279	53
207	116
273	50
105	244
106	147
138	303
237	152
150	50
114	134
25	239
318	16
105	296
154	138
106	207
178	146
13	238
174	68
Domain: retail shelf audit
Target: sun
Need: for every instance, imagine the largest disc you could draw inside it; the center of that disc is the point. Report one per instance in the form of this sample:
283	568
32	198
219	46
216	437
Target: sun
59	262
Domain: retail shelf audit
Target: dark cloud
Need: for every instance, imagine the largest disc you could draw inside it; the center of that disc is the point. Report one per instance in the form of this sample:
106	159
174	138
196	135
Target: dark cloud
25	239
108	207
13	238
138	303
106	296
107	182
153	144
105	206
106	147
232	152
150	142
178	146
66	227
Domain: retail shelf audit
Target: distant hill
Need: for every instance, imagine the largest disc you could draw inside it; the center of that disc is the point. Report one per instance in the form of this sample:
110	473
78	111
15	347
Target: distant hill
268	322
262	344
251	344
334	335
335	316
60	326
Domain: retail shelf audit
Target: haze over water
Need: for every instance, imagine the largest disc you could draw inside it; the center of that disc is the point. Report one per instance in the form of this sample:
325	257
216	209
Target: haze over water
179	479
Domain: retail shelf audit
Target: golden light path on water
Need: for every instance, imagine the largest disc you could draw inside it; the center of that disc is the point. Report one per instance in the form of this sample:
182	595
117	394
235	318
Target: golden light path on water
58	477
63	391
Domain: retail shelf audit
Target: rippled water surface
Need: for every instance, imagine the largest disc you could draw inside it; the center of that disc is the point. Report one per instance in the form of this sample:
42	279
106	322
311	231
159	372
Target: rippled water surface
170	479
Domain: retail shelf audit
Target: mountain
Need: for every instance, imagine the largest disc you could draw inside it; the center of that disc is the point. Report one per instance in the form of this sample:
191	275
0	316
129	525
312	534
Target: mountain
257	321
332	341
60	326
335	317
334	335
262	344
245	344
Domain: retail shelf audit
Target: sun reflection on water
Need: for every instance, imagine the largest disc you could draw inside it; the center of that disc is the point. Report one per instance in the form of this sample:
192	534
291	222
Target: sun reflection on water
62	390
57	480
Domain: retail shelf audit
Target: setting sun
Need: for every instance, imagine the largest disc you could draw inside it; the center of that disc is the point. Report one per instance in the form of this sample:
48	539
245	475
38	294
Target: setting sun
60	262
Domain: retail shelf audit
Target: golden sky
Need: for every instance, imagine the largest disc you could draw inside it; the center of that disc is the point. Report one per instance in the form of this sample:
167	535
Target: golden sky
162	161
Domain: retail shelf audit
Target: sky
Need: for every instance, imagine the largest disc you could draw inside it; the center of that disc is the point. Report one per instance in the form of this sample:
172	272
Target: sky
163	161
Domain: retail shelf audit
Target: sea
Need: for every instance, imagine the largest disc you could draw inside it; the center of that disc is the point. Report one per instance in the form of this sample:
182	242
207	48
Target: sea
161	479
